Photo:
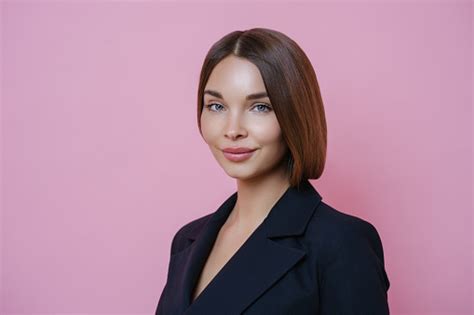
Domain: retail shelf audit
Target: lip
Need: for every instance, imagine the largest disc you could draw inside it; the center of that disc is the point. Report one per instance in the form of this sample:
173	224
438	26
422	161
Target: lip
238	150
238	154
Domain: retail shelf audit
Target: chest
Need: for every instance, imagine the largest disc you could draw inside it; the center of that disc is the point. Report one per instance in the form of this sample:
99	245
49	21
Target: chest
249	273
227	243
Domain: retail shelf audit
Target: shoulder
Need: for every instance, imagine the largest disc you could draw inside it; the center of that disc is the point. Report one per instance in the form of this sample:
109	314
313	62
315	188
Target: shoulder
180	238
350	263
332	230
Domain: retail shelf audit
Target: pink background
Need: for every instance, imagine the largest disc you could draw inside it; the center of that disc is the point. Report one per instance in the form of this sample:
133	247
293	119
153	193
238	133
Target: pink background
100	142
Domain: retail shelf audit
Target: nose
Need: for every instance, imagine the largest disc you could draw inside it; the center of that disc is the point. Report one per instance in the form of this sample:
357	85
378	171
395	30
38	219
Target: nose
235	127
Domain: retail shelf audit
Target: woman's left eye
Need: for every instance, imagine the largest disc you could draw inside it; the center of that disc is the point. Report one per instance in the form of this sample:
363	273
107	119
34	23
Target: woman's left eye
264	106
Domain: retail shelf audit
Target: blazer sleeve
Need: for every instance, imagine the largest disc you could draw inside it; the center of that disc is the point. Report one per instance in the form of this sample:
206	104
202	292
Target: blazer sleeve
354	281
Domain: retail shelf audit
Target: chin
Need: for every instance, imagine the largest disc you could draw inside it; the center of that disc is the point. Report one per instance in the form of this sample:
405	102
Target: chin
238	173
243	177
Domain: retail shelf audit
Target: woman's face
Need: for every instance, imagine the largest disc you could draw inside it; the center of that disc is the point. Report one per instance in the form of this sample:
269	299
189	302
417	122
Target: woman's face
233	118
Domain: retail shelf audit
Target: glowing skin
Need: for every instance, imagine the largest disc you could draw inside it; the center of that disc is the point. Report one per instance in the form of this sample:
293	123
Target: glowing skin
237	122
234	121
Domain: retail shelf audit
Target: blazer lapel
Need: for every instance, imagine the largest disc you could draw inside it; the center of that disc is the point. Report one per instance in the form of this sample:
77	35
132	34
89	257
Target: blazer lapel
258	263
186	265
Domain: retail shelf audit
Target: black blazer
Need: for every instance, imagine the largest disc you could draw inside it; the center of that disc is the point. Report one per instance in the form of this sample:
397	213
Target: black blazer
305	258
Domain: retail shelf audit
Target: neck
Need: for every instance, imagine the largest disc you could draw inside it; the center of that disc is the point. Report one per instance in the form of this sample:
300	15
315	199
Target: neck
255	199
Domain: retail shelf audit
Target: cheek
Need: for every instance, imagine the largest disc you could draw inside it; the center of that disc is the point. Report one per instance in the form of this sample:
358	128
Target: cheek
269	132
208	128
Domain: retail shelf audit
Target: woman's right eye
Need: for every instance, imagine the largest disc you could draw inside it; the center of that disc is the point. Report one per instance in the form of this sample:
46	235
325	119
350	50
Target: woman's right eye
209	106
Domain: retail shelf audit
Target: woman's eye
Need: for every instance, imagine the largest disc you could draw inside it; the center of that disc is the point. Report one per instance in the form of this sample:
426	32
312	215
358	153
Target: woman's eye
209	106
263	106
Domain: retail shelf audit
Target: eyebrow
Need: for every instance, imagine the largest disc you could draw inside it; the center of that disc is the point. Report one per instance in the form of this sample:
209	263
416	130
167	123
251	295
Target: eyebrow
252	96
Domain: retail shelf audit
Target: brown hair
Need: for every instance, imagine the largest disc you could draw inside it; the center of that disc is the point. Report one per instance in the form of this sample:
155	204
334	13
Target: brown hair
293	90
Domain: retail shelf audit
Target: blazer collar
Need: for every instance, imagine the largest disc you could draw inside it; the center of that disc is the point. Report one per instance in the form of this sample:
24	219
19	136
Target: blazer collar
288	217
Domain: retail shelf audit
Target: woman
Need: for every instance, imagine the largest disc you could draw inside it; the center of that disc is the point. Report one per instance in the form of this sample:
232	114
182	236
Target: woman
273	247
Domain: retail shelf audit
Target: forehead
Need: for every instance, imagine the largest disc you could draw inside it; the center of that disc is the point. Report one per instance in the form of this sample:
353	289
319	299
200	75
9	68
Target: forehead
235	76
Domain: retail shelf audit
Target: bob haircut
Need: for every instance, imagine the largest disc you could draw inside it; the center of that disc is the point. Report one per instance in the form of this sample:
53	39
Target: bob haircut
293	90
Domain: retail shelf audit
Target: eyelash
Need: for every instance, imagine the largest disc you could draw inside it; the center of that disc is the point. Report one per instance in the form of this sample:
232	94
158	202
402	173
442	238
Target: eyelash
208	106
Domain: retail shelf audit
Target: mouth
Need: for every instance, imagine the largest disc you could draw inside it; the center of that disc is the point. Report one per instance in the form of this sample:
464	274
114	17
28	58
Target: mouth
238	156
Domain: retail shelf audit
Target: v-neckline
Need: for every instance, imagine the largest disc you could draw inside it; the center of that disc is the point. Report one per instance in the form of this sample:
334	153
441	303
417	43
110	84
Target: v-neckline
225	266
248	269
